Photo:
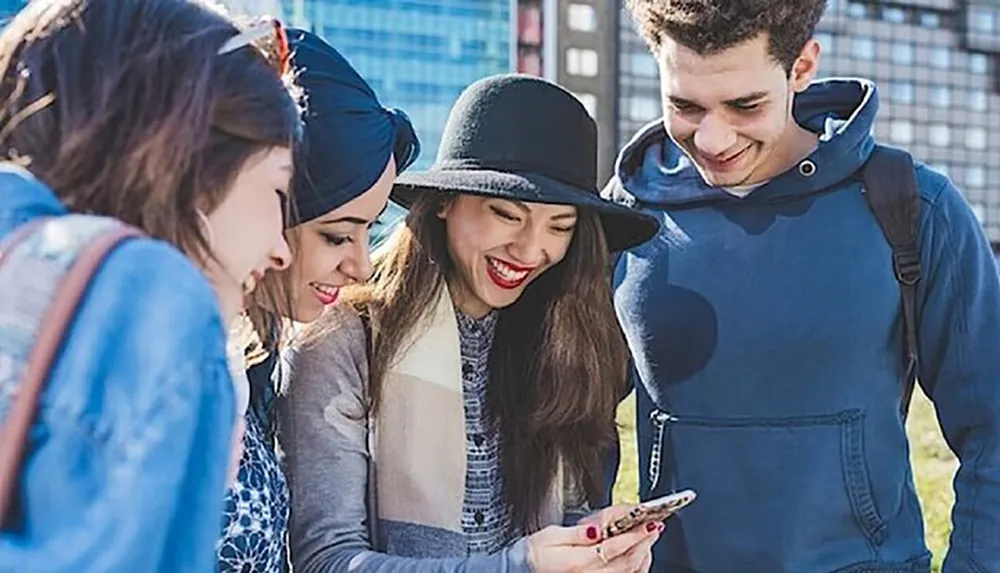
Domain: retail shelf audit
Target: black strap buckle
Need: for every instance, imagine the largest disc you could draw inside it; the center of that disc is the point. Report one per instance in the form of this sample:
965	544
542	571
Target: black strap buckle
906	264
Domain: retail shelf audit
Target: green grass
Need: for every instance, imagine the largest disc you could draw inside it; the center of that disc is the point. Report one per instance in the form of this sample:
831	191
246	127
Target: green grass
933	465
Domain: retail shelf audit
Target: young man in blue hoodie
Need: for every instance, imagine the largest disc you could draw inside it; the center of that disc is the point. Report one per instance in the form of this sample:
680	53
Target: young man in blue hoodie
765	320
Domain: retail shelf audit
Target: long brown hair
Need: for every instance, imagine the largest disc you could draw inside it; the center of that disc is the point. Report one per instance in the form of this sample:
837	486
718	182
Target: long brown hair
124	108
558	362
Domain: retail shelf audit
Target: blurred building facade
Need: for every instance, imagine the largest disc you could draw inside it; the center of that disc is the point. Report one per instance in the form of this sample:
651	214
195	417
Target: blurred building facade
935	63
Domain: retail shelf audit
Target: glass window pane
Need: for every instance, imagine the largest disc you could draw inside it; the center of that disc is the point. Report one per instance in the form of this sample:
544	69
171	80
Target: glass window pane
979	63
901	131
643	109
902	53
941	58
825	42
863	48
901	92
978	100
975	138
581	62
940	135
582	17
940	96
975	176
930	20
857	10
894	15
642	63
982	19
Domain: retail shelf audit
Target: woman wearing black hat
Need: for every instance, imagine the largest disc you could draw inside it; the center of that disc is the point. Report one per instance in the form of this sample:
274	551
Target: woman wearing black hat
453	412
352	150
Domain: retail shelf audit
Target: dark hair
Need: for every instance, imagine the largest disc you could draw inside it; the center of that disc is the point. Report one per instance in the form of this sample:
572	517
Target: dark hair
126	109
711	26
558	361
348	138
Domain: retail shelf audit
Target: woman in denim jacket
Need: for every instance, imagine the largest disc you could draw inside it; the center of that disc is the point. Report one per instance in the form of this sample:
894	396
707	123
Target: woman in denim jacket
353	149
164	115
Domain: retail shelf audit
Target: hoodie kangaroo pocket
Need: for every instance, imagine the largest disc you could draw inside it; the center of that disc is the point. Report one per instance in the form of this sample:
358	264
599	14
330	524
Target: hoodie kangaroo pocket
774	489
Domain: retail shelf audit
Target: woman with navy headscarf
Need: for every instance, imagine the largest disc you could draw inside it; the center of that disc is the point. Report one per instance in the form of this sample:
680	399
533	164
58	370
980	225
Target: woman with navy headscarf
352	150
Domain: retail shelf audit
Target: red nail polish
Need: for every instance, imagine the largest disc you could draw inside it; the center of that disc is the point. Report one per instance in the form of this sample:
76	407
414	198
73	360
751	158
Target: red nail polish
592	533
651	527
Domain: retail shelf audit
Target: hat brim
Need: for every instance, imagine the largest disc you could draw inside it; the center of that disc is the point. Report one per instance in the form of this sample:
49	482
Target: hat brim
623	227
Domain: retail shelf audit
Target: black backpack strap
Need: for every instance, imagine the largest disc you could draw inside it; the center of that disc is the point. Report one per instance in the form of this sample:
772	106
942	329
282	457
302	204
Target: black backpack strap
891	190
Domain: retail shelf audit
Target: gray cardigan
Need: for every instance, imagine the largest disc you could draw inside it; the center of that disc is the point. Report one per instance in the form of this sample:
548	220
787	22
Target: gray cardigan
324	436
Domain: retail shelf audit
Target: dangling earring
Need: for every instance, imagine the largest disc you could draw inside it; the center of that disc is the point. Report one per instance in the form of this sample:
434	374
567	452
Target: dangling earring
206	227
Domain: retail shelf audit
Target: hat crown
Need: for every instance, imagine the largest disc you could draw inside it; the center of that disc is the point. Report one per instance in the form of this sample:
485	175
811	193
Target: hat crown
515	122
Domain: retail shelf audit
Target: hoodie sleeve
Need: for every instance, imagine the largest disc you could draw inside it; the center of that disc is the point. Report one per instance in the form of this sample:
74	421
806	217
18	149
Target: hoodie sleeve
960	366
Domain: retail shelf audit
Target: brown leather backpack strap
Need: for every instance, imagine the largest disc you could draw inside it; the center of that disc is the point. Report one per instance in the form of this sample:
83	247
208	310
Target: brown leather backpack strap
58	316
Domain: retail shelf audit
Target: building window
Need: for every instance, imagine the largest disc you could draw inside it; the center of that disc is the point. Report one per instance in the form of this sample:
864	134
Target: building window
643	108
901	131
894	15
978	100
529	62
982	19
940	96
825	42
939	134
589	101
901	92
863	48
940	58
582	17
979	63
975	138
930	20
581	62
857	10
902	53
643	64
975	176
529	25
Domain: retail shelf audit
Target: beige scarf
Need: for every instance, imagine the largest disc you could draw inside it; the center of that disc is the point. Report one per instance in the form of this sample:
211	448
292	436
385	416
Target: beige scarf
419	441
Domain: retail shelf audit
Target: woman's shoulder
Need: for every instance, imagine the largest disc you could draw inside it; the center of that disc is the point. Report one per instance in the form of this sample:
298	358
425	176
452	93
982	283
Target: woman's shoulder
151	324
341	327
159	306
339	337
330	358
164	287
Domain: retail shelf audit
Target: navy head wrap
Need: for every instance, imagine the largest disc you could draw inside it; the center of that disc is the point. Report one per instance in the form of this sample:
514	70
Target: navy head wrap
348	134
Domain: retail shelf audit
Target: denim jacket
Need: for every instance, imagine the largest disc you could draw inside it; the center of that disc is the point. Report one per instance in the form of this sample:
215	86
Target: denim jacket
126	466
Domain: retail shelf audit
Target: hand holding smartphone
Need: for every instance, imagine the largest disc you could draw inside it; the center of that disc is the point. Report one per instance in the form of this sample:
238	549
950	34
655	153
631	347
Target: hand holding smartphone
653	510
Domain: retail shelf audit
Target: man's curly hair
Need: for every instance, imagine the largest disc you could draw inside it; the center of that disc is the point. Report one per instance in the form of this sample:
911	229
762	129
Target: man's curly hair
711	26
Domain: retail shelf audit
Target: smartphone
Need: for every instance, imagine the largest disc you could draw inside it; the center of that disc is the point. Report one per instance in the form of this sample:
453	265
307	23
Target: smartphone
653	510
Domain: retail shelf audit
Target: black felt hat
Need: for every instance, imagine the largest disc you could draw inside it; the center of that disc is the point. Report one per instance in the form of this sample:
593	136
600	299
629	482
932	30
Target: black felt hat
519	137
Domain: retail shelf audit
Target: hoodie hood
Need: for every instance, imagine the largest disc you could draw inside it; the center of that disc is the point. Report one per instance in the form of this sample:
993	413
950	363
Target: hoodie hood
653	170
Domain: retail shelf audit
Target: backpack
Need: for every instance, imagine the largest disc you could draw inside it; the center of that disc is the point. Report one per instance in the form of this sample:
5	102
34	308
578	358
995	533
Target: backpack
890	186
46	266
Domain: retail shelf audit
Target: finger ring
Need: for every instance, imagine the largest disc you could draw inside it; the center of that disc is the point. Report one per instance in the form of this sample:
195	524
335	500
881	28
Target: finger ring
600	553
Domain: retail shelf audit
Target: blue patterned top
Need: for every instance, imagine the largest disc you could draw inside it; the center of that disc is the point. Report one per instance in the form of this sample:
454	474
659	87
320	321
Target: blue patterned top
486	519
255	523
